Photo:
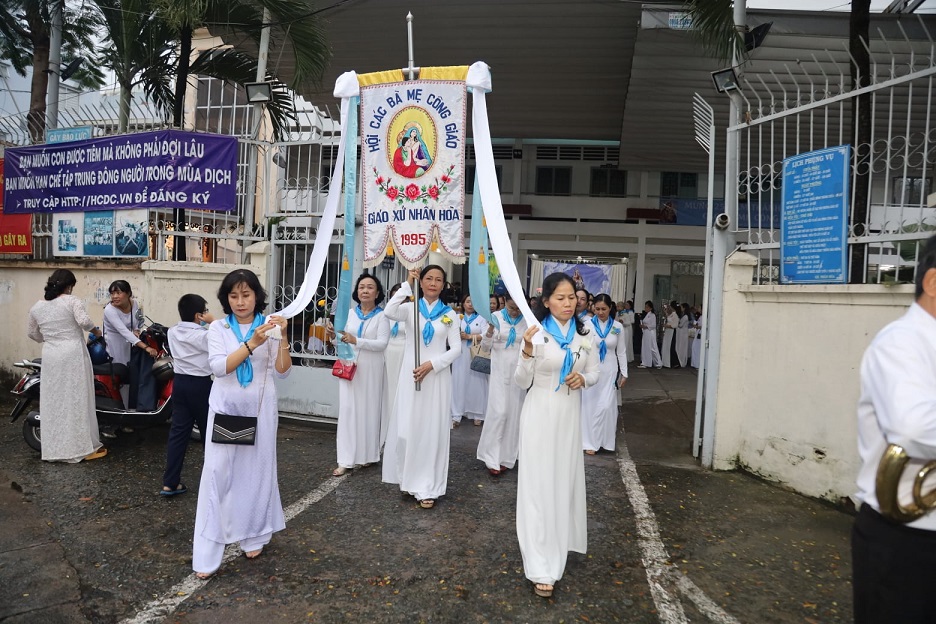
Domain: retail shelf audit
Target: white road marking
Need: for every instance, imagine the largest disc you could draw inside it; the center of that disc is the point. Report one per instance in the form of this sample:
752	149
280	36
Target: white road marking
652	551
157	610
662	576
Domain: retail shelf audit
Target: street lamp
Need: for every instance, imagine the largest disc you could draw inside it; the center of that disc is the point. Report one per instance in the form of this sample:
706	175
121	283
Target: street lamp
726	80
258	92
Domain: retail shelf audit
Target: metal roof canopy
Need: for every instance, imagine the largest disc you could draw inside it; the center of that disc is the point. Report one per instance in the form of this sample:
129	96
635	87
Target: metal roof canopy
560	69
670	66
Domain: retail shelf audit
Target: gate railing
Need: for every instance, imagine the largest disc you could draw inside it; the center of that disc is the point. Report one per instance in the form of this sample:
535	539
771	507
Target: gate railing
809	107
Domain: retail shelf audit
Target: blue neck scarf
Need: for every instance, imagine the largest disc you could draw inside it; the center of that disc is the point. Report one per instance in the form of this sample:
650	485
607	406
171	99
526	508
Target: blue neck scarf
512	336
364	317
581	315
437	311
468	321
395	330
552	328
244	370
602	348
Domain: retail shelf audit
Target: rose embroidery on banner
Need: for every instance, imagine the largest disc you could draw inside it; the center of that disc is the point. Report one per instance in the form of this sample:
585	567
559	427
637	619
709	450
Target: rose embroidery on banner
413	193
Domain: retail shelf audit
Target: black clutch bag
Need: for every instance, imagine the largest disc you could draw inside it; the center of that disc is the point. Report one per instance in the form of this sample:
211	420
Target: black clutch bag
230	429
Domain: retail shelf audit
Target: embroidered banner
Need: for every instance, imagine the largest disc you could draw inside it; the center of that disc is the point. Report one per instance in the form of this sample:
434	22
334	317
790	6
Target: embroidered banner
414	169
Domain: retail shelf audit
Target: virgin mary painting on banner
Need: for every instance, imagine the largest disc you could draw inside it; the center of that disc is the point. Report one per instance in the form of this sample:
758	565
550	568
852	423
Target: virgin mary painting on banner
413	143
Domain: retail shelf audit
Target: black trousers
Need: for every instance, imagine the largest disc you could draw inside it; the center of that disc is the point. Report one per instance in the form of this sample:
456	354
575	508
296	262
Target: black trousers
893	571
189	406
142	383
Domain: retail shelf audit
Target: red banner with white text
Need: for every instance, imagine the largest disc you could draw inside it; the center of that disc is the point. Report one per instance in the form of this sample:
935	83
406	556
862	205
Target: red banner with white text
15	230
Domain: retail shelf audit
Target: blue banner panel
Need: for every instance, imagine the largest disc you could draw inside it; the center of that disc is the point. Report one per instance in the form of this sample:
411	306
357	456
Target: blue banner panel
814	226
165	169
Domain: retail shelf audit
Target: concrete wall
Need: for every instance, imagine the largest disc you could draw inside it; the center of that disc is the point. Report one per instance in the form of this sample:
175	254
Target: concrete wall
157	287
788	385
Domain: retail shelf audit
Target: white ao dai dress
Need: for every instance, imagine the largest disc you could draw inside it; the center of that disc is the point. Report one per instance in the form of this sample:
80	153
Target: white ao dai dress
500	438
469	388
69	422
360	400
669	333
600	402
394	360
416	455
238	497
649	352
627	322
682	339
551	515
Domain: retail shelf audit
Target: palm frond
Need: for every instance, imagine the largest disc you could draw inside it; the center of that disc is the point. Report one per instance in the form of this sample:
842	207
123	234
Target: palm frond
239	68
713	24
291	22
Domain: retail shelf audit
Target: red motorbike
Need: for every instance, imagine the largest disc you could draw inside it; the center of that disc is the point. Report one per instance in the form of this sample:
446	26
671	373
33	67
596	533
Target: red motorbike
108	377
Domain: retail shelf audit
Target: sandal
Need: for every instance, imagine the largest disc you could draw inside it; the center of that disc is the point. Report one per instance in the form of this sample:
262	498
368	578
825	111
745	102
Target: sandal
204	575
253	554
427	503
180	489
340	470
543	590
98	454
477	423
494	472
589	452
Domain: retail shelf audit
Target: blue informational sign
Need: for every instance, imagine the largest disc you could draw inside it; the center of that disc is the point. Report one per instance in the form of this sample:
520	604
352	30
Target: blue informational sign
814	223
64	135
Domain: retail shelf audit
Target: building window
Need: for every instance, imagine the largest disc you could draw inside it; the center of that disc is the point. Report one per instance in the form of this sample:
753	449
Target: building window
470	178
910	191
608	182
681	185
554	180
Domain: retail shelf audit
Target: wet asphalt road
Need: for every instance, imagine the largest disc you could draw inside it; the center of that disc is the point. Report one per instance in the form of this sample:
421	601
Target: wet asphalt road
94	542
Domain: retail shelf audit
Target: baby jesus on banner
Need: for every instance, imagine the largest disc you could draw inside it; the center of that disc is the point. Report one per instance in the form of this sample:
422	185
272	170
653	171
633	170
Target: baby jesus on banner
411	159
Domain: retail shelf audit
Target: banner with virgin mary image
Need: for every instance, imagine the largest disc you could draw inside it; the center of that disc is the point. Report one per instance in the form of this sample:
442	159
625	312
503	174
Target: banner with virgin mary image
413	160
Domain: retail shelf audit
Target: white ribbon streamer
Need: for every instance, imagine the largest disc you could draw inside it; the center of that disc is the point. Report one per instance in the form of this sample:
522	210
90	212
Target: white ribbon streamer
346	87
479	81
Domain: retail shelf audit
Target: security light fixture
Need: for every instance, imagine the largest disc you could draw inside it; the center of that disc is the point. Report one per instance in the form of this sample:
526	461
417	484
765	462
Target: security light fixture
258	92
726	80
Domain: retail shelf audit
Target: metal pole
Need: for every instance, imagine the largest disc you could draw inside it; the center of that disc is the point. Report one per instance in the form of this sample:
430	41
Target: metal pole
707	282
410	66
55	64
411	71
722	242
257	119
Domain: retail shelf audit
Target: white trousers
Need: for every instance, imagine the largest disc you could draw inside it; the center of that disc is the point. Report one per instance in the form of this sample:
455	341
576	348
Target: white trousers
207	554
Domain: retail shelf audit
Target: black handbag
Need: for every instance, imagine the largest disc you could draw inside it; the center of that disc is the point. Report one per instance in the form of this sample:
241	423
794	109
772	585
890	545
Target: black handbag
231	429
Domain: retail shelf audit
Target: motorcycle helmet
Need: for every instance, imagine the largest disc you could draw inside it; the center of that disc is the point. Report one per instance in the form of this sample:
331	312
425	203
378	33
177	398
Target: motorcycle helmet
97	350
162	369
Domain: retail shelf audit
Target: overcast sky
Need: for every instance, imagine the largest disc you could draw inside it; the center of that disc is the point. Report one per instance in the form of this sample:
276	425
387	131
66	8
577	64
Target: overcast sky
928	6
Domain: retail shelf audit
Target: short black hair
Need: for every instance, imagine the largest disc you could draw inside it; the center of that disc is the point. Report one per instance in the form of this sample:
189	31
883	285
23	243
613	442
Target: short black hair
430	267
606	299
549	287
58	283
248	278
380	292
926	262
121	285
190	305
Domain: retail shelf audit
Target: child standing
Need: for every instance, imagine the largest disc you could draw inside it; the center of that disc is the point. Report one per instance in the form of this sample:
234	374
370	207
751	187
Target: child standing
188	343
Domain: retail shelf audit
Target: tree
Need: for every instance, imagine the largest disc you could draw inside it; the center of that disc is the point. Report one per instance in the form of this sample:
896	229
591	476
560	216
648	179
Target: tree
25	31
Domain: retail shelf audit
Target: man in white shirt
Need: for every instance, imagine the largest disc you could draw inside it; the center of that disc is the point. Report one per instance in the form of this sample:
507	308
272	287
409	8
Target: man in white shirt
893	564
191	385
